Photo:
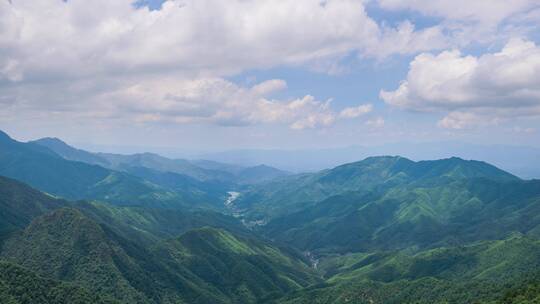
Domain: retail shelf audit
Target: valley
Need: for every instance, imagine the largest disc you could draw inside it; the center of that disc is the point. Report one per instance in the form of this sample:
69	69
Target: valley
148	229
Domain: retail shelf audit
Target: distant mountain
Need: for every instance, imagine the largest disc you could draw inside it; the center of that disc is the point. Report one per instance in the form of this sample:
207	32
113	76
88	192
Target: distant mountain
294	192
519	160
201	170
382	230
70	153
259	174
388	203
47	171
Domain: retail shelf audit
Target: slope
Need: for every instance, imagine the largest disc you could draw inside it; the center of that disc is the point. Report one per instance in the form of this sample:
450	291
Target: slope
21	286
372	174
481	272
45	170
124	253
417	216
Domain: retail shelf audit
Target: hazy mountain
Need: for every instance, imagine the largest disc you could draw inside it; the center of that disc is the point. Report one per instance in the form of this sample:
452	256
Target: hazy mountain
296	192
202	170
68	152
521	161
45	170
385	229
387	203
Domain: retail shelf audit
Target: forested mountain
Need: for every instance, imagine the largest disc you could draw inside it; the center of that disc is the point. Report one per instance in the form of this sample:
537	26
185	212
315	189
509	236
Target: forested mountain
152	230
138	255
372	174
483	272
201	170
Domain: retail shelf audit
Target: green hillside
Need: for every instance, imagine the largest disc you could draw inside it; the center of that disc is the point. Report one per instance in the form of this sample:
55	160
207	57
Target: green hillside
143	255
45	170
413	216
481	272
20	204
382	230
20	286
295	193
245	270
394	203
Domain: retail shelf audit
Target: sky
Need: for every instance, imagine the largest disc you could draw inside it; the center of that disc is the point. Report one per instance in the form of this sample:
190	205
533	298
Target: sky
211	75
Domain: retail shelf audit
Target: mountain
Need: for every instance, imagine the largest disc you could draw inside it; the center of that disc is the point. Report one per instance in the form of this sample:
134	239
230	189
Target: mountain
483	272
385	229
20	204
49	172
146	226
293	193
201	170
519	160
393	203
163	164
259	174
21	286
245	270
66	245
70	153
141	255
204	265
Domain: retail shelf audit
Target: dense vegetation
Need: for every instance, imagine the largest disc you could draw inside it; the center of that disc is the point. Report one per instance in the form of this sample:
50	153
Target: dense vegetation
138	255
156	230
21	286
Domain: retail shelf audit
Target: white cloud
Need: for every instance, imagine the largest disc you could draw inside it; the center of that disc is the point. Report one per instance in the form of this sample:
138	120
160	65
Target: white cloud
80	38
269	86
461	120
484	11
501	84
210	101
467	22
353	112
96	59
404	39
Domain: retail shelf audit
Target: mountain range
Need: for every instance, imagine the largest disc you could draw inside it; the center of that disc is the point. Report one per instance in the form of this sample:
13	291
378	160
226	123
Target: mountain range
519	160
83	227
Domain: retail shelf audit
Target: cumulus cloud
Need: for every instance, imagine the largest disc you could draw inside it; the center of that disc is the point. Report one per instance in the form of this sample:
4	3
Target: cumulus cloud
485	11
173	100
114	60
218	101
405	39
353	112
500	84
77	38
480	21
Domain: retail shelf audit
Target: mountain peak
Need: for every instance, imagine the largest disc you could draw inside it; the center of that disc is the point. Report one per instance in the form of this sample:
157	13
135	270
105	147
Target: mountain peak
51	141
4	136
460	168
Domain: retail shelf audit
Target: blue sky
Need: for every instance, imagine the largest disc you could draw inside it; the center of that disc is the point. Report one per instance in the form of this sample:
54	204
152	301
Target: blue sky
216	75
